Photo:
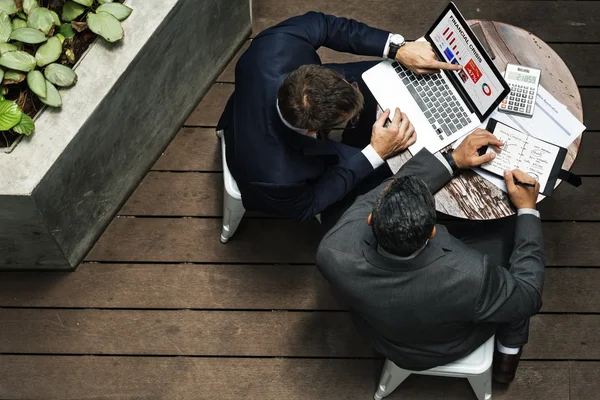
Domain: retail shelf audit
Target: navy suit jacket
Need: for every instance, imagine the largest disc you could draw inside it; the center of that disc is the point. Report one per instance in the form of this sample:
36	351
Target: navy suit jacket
280	171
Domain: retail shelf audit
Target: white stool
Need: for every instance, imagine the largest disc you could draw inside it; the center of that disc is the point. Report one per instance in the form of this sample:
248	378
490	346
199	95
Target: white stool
477	367
233	209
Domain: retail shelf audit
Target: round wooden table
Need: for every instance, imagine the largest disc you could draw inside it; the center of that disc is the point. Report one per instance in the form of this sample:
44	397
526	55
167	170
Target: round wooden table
470	196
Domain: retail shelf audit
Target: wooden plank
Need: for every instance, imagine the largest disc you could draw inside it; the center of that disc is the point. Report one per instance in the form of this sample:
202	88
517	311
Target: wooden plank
281	241
201	194
211	107
197	240
177	194
569	337
588	159
193	149
590	98
244	333
228	75
581	60
182	378
206	333
273	287
573	203
583	380
553	21
571	244
176	286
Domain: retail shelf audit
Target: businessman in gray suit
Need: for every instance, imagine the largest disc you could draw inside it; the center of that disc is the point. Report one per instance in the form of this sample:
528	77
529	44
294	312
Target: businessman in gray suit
424	294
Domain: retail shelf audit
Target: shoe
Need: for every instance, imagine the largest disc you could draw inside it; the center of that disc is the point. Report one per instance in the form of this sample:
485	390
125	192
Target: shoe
505	366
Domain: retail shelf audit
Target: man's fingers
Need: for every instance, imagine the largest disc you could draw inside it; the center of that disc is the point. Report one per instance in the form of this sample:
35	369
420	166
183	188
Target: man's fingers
398	116
477	161
509	180
382	118
412	139
404	124
444	65
522	176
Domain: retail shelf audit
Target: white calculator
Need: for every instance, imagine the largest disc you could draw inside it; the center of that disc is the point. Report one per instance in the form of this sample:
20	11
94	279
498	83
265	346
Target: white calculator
523	82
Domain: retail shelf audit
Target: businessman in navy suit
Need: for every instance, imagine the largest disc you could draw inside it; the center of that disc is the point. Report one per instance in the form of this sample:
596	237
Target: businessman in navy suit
285	103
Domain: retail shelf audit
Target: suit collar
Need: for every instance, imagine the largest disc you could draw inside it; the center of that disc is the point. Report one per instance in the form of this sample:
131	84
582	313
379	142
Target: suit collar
433	250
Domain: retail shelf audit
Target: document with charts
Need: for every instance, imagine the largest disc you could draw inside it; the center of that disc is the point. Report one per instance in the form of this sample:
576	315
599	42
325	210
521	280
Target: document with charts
541	160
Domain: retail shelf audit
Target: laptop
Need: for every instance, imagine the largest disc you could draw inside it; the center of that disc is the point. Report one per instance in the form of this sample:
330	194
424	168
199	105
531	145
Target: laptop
446	106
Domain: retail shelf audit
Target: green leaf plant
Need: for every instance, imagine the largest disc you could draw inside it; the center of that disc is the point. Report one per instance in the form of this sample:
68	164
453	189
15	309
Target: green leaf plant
35	44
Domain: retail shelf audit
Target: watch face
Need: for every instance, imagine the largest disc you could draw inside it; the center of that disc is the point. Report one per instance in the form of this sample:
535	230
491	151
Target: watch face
397	39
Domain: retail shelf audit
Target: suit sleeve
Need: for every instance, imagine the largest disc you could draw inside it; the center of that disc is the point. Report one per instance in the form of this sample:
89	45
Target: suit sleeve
423	165
514	294
340	34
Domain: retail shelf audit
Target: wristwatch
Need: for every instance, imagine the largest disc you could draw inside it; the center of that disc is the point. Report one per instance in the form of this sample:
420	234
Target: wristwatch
448	156
396	41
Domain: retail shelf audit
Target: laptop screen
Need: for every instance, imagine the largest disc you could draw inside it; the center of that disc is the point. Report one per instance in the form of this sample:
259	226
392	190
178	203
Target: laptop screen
454	42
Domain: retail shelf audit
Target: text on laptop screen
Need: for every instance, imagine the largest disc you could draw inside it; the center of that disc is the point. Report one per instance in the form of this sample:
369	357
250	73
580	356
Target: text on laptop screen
476	77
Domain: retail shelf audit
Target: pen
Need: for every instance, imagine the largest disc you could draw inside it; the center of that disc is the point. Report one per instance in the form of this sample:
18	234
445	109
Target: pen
517	182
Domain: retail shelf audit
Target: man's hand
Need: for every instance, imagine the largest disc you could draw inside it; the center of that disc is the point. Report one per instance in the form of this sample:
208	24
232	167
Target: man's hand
398	136
466	154
420	58
521	196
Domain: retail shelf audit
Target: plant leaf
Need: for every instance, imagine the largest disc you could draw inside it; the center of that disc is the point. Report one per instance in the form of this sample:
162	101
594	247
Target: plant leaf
37	83
105	25
48	52
59	74
66	30
25	125
22	15
1	75
12	77
118	10
72	10
29	5
41	18
87	3
18	60
10	114
7	47
70	56
8	6
56	18
105	1
52	98
18	23
5	27
28	35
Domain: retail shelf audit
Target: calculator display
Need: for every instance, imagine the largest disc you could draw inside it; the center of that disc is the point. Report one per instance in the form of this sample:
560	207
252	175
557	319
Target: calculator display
522	77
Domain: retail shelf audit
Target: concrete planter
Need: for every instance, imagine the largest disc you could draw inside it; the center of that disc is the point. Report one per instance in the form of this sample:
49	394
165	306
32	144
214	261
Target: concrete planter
61	187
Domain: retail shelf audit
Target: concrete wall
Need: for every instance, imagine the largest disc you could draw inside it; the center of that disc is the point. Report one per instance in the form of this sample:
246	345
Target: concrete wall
124	131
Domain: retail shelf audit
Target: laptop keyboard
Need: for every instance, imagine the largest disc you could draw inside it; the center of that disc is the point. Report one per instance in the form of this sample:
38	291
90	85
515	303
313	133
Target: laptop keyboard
436	100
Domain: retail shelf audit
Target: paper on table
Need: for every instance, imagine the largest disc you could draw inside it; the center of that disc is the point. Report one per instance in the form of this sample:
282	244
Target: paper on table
551	121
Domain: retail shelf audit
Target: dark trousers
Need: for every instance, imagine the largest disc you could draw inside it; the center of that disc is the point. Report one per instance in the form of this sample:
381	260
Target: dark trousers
496	239
355	137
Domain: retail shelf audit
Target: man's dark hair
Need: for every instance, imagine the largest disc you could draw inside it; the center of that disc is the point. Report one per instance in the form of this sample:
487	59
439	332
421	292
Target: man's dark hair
317	98
404	216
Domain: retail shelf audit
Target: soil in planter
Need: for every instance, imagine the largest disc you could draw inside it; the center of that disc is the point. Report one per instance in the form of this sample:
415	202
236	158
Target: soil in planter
29	102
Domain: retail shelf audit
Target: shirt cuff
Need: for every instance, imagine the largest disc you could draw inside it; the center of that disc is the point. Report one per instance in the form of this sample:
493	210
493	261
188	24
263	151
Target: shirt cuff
386	49
531	211
443	160
374	159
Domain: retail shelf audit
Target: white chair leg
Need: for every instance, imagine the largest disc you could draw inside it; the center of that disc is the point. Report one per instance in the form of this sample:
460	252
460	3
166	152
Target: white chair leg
482	385
233	212
391	377
219	133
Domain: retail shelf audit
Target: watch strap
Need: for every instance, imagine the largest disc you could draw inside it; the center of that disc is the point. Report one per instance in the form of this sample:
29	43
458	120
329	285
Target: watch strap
448	156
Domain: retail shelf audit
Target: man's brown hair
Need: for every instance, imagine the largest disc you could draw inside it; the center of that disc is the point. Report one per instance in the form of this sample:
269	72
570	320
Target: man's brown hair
317	98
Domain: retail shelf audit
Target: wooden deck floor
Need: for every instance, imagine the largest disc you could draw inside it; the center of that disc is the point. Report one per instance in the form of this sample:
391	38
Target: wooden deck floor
161	309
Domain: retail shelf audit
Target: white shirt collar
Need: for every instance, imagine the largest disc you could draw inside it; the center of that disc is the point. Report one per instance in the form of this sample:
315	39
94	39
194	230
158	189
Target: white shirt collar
383	252
297	130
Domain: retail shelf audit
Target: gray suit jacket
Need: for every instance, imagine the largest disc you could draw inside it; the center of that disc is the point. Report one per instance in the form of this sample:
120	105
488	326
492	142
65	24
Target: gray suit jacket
442	304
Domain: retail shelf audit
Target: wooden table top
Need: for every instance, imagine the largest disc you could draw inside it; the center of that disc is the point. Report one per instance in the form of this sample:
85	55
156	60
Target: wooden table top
470	196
